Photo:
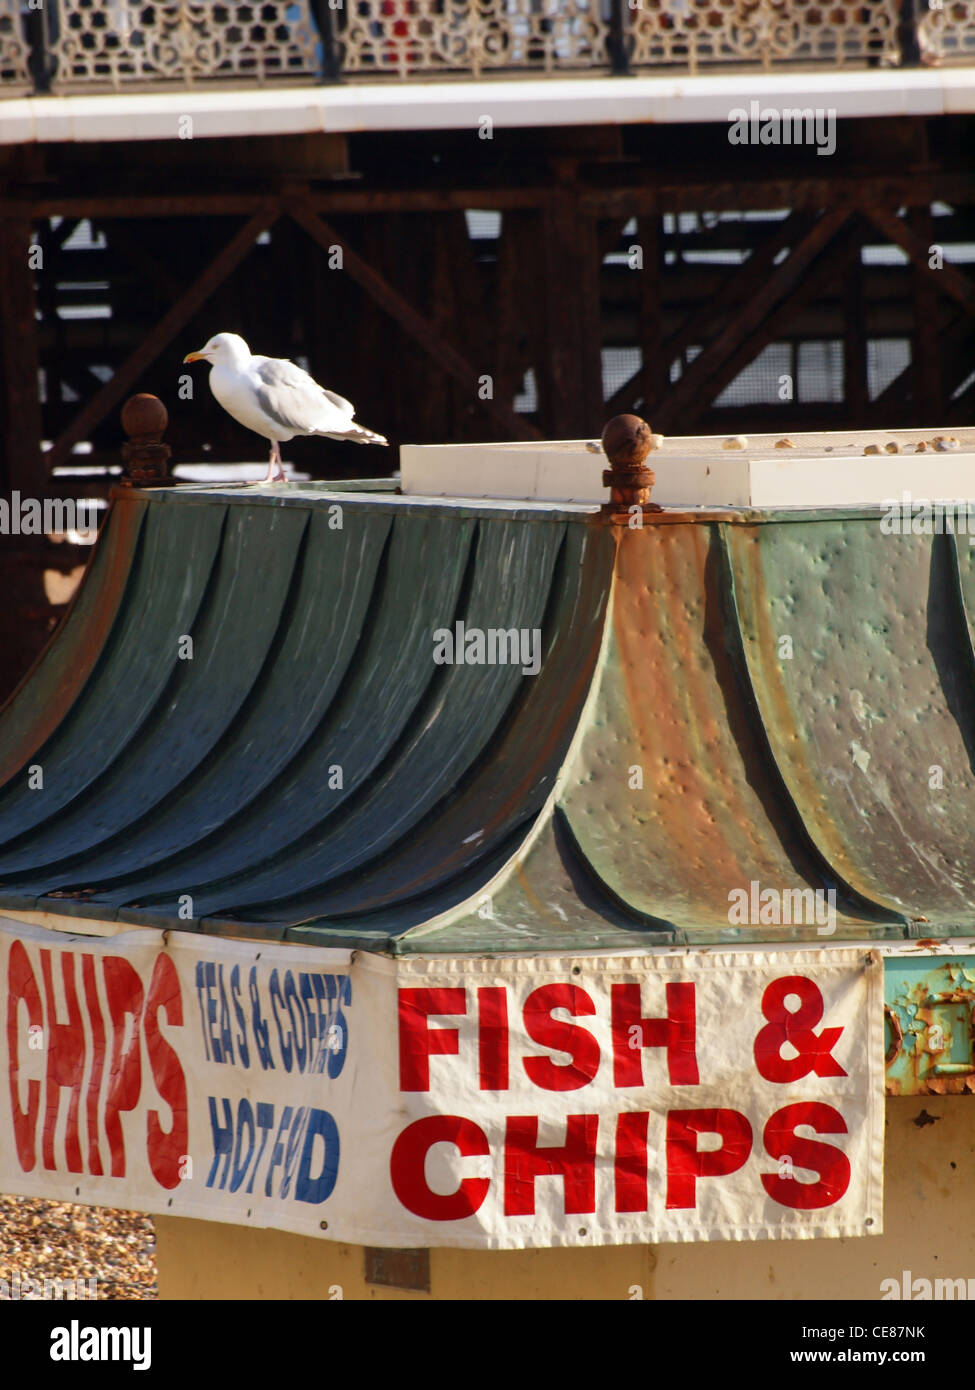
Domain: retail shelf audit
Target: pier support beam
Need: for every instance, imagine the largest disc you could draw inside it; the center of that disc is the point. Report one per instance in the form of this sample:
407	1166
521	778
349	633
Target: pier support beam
21	463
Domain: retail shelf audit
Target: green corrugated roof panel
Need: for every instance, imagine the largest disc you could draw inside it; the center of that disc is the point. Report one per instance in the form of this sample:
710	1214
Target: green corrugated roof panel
871	719
242	728
302	636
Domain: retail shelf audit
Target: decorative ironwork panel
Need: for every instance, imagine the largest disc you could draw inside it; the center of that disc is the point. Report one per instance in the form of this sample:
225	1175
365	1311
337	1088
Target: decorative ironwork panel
14	72
946	31
763	31
115	43
403	37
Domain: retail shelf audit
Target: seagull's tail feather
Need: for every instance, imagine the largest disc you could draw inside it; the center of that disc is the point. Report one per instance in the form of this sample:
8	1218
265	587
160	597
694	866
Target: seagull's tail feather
359	435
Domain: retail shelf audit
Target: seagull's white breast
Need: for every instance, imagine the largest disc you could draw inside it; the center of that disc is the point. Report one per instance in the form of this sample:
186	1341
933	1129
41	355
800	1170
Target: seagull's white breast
236	392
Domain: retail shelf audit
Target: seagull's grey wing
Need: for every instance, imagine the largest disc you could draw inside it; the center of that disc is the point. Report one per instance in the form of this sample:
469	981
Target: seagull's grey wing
345	406
290	396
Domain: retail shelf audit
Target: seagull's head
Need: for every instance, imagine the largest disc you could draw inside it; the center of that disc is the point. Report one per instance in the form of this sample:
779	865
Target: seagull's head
228	348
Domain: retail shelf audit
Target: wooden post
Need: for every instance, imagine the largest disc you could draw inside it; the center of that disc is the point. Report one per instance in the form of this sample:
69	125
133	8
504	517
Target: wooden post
508	312
926	339
856	395
589	317
436	404
22	426
571	362
655	362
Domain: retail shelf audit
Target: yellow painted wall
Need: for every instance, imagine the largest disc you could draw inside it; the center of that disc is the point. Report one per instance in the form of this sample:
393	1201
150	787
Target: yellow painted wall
929	1229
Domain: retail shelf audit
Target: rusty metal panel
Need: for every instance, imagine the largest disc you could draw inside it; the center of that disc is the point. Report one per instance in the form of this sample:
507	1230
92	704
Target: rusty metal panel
675	800
929	1008
870	718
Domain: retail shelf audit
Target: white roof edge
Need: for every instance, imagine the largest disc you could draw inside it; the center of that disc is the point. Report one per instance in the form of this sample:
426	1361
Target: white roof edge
458	105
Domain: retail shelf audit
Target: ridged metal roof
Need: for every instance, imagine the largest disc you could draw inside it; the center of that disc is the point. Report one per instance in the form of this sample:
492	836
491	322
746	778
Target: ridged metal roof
311	773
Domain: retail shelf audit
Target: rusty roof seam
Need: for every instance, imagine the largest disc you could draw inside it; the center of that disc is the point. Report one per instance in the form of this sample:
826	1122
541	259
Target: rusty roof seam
830	876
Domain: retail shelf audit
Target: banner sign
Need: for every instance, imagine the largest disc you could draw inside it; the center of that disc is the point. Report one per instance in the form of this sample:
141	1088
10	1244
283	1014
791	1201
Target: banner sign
470	1102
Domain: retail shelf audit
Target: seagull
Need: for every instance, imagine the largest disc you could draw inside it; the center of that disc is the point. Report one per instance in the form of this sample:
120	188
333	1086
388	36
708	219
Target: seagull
275	398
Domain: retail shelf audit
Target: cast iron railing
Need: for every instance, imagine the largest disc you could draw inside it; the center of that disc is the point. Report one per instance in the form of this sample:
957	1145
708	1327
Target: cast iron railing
87	45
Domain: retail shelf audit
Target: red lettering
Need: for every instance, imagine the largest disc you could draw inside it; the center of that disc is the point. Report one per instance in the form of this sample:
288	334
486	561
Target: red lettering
632	1033
22	986
97	1062
165	1149
685	1163
631	1160
574	1161
417	1041
560	1036
795	1026
65	1063
123	989
492	1038
830	1163
408	1162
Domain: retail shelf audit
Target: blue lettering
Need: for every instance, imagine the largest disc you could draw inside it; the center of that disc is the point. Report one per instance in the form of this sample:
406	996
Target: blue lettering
338	1031
309	1189
242	1048
211	981
291	1153
306	989
321	1023
276	997
291	995
260	1028
277	1153
222	1139
245	1120
265	1121
203	1021
226	1042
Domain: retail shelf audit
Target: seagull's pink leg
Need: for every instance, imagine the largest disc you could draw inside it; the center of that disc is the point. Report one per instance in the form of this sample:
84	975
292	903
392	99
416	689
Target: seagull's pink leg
275	469
281	475
269	475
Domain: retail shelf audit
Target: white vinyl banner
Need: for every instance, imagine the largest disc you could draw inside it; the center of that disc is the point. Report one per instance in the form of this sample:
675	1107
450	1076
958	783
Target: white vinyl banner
472	1102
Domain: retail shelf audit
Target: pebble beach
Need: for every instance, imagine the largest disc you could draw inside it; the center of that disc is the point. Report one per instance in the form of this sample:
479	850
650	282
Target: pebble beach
61	1249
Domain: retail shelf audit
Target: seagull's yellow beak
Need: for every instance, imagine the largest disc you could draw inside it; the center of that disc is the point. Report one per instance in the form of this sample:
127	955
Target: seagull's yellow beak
195	357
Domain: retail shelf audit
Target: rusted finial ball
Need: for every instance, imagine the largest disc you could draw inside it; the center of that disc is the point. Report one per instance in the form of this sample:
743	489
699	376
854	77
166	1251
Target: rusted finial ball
144	416
145	458
626	441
